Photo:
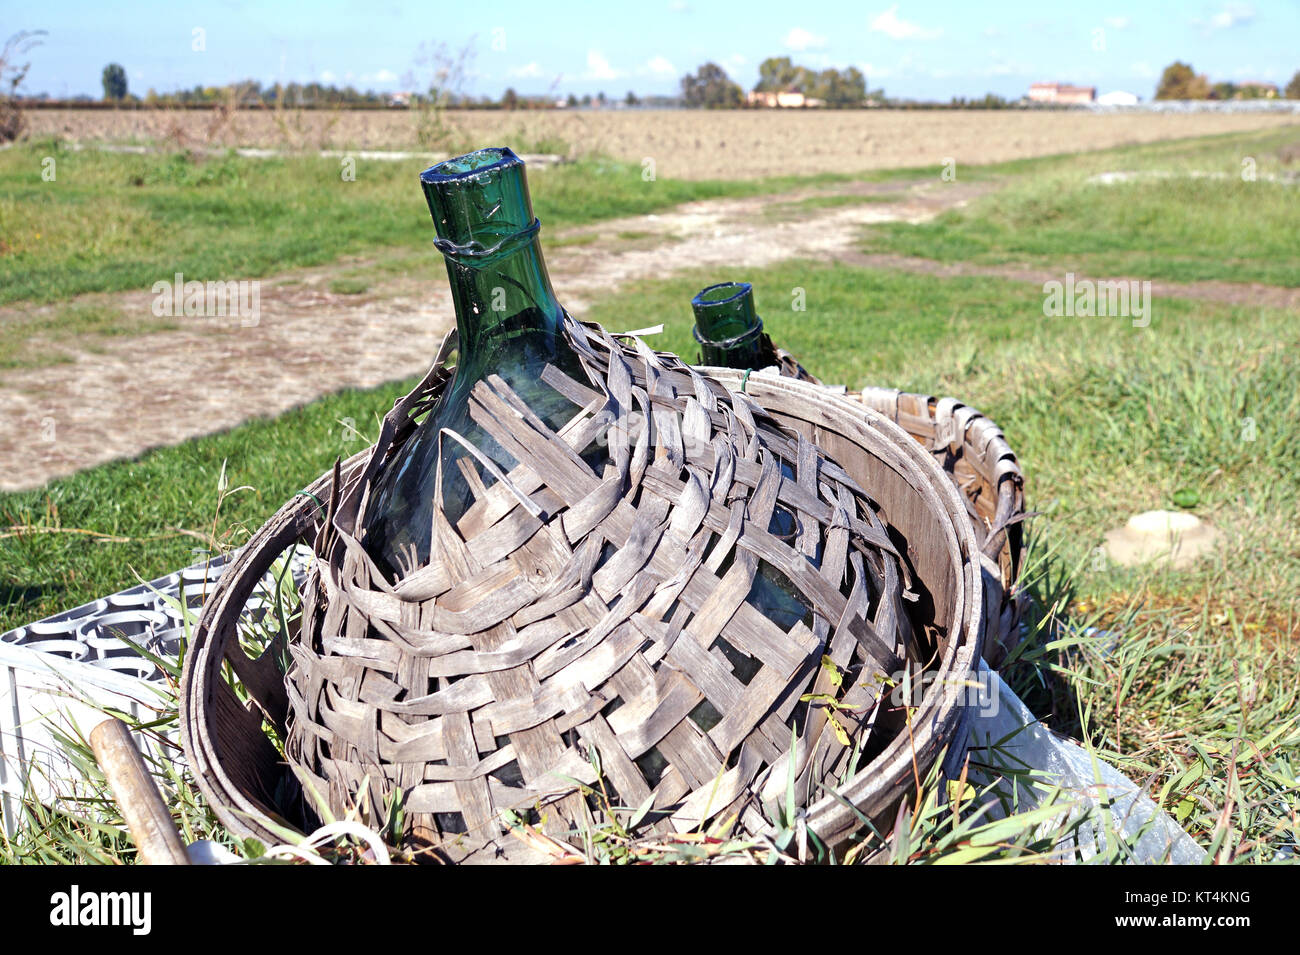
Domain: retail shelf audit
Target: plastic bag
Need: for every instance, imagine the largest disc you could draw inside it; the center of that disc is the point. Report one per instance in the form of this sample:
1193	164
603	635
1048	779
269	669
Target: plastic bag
1103	801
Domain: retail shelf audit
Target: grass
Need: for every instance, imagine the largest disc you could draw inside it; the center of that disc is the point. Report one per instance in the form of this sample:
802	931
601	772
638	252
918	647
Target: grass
1192	689
1188	216
152	514
797	207
113	222
349	286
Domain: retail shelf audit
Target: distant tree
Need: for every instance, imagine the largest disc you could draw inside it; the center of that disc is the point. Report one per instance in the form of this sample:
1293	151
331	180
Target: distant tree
1223	90
1293	88
510	99
600	98
778	73
855	87
631	99
1180	81
839	89
988	101
572	100
114	80
711	88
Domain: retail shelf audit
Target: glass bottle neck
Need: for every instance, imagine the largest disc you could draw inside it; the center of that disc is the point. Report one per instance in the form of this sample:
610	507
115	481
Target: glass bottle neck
509	324
502	294
727	327
489	236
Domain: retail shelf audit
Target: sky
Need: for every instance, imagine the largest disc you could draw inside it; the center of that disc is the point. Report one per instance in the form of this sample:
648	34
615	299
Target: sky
932	50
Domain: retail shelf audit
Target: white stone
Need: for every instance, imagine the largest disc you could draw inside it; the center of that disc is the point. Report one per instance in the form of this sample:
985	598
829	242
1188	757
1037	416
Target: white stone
1177	536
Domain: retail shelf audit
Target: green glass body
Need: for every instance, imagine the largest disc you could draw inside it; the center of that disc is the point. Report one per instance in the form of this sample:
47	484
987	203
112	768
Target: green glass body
508	323
728	329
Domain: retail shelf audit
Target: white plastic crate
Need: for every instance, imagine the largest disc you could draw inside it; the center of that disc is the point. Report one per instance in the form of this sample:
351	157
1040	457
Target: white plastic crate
83	653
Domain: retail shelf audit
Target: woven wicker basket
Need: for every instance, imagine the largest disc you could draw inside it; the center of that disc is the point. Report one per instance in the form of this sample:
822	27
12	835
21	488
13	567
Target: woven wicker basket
243	773
973	451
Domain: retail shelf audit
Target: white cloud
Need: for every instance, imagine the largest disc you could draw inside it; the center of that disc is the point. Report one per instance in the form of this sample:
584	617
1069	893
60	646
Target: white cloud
382	76
895	28
661	66
801	39
327	76
1117	23
531	70
1144	70
678	6
736	60
993	32
873	72
598	67
1232	15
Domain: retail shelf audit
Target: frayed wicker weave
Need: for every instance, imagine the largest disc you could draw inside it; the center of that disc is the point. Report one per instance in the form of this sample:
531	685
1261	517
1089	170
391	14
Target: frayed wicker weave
576	621
973	451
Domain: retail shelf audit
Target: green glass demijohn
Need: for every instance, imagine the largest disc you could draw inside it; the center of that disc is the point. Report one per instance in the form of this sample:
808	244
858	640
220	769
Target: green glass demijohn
509	324
728	329
730	335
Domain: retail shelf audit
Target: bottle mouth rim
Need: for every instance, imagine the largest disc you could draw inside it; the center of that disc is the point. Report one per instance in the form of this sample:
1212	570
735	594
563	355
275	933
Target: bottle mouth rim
742	288
471	165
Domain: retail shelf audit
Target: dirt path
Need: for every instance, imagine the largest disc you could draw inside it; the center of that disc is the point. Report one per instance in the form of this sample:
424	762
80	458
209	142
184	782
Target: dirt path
121	396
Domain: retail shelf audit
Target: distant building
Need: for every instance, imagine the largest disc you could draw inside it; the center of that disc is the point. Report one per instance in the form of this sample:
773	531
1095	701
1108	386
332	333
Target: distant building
1253	90
1061	93
785	99
400	99
1117	98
